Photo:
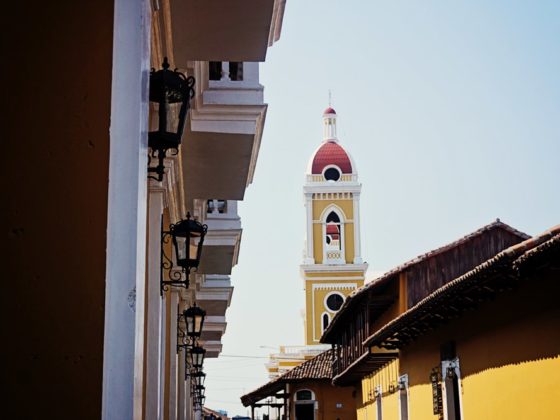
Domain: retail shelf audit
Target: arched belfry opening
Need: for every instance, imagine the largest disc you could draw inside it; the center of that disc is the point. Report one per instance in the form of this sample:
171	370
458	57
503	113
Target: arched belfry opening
333	238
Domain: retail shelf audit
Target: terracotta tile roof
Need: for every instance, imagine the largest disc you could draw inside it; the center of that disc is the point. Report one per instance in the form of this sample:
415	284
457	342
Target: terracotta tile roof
434	308
318	368
331	153
356	294
209	412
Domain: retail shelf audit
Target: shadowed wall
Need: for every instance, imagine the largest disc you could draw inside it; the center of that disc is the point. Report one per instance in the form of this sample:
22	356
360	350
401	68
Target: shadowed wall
58	56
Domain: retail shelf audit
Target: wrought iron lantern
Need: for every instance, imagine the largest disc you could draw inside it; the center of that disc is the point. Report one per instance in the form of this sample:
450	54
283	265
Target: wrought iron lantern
199	390
198	377
194	320
187	253
197	357
170	92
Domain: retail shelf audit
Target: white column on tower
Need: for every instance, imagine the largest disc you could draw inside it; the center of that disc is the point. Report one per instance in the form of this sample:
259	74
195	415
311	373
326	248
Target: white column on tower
357	244
309	257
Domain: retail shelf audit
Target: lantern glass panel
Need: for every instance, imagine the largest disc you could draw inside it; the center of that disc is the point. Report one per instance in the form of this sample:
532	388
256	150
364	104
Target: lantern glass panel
165	117
197	328
198	378
197	357
181	249
193	250
194	319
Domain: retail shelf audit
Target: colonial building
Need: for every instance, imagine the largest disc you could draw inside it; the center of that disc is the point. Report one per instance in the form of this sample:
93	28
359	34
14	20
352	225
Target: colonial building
469	330
333	266
133	128
304	393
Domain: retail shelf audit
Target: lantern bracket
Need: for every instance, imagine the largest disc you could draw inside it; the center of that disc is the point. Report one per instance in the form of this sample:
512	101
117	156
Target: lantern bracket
177	275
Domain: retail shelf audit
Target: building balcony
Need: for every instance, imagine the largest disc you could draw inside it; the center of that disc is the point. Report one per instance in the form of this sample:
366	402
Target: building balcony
224	130
239	30
221	244
214	295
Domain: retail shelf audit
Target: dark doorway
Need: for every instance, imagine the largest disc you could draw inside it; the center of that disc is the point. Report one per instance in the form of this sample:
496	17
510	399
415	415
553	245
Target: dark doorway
304	411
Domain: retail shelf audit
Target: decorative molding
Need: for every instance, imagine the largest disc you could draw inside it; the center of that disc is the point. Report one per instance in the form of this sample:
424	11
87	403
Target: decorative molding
333	286
327	187
318	268
355	278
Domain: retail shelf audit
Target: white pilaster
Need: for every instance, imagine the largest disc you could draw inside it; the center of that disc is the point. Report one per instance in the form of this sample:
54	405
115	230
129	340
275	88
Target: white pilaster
357	242
154	302
162	355
173	383
123	352
181	397
309	257
188	401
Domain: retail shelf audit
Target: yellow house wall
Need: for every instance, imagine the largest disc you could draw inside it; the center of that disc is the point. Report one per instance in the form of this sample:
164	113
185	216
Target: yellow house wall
533	392
509	357
387	379
347	206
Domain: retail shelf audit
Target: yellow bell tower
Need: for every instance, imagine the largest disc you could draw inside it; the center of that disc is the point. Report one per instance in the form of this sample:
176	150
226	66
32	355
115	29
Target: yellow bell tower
332	266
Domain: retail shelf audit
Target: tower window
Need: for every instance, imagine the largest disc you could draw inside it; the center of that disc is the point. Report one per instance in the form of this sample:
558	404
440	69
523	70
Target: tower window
333	217
333	240
332	174
334	301
325	321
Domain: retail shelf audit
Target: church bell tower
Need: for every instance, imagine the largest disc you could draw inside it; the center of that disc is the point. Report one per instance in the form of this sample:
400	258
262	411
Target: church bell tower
332	266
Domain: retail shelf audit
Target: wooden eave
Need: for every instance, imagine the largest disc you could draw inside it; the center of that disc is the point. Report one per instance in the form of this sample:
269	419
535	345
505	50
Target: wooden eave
364	365
377	302
468	291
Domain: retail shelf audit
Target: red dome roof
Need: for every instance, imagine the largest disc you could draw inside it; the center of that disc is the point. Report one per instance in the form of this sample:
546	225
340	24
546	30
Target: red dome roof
329	110
331	153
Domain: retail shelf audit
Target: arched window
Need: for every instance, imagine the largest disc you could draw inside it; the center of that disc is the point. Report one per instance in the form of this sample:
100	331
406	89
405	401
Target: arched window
325	319
305	395
305	405
333	237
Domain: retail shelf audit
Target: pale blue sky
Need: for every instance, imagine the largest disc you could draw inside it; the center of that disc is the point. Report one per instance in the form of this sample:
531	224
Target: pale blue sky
451	111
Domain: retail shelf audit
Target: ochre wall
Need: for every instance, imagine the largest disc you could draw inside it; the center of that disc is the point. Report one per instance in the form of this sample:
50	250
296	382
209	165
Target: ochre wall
315	303
57	61
509	356
387	379
328	397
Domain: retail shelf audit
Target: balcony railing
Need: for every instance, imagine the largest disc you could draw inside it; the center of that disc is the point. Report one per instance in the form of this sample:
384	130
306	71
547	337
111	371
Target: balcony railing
321	178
